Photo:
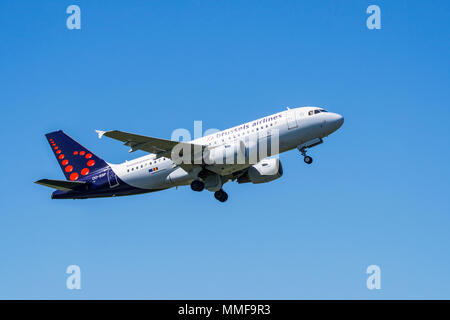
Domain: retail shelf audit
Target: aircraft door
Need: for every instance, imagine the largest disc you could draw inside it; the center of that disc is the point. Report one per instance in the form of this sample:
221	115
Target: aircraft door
112	178
291	119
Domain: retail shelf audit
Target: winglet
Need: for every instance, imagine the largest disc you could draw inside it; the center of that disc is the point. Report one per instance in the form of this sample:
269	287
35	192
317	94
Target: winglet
100	133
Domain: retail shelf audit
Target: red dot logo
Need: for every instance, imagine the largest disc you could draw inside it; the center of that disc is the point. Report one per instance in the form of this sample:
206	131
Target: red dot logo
82	153
58	151
69	168
74	176
65	162
85	171
88	156
90	163
55	148
61	156
75	153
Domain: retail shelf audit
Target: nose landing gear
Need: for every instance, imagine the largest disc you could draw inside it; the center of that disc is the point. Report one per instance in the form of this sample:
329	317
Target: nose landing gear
307	159
221	195
309	144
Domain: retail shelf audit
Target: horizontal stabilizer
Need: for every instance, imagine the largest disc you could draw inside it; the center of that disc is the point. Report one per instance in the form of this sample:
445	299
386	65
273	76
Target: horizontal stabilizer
63	185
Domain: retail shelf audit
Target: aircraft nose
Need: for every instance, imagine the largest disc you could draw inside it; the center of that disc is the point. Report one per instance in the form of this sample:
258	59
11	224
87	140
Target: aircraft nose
336	121
339	121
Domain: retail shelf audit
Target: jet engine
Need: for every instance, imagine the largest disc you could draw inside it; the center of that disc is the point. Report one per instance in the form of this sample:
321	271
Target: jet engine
264	171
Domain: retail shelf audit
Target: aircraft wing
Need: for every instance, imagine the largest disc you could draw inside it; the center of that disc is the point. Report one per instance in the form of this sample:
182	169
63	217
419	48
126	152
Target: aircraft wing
163	148
160	147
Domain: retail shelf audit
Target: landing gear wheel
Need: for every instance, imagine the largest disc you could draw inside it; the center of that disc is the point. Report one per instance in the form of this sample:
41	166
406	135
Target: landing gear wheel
221	195
308	159
197	185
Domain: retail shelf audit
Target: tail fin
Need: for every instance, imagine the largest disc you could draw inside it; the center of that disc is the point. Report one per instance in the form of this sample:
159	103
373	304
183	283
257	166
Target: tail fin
75	160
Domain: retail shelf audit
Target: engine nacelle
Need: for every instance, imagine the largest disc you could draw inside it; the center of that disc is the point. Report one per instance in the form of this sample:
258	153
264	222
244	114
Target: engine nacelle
264	171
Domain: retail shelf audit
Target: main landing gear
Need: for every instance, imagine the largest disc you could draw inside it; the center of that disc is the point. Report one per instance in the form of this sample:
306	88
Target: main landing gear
221	195
307	159
198	186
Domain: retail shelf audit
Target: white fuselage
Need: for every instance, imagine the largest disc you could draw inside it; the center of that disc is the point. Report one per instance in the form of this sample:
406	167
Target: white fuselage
295	127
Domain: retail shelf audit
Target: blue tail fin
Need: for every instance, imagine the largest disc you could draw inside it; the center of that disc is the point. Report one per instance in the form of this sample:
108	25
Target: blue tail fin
75	160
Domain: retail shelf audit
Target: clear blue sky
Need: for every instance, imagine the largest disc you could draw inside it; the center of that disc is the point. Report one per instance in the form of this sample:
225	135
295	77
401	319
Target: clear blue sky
377	192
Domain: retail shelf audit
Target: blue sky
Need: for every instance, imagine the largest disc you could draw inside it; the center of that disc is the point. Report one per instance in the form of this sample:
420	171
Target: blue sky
377	192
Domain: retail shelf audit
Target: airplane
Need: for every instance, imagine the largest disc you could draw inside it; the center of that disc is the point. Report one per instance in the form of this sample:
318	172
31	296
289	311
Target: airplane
210	167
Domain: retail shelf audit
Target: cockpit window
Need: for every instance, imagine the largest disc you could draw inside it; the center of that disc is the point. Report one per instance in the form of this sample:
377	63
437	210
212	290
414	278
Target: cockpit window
316	111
